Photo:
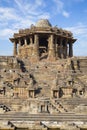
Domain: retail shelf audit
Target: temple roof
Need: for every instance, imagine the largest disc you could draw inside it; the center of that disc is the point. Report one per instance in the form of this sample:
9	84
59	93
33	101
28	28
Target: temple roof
43	23
43	26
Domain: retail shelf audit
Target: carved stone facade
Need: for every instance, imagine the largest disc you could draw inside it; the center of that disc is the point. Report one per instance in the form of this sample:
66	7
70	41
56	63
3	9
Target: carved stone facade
42	41
49	93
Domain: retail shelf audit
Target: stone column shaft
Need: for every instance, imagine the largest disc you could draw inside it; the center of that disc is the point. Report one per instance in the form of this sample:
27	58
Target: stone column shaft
33	94
56	47
66	48
39	109
57	51
36	47
15	48
25	41
31	40
61	47
70	50
19	42
19	46
51	51
45	107
36	39
57	94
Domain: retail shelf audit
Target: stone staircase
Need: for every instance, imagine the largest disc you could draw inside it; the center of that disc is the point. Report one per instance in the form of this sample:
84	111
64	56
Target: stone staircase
83	64
54	107
57	106
76	101
4	108
44	91
81	82
60	106
79	64
45	71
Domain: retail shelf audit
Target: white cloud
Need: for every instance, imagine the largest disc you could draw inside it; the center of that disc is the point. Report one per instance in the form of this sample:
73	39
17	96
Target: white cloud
7	14
6	33
59	4
30	7
25	13
80	29
40	2
60	8
80	33
44	16
21	15
66	14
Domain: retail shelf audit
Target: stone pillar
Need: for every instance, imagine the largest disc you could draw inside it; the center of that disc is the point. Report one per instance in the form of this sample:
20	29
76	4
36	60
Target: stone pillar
19	42
66	48
51	49
39	108
45	107
19	45
36	43
61	47
36	47
31	40
57	94
70	49
56	47
33	93
25	41
15	48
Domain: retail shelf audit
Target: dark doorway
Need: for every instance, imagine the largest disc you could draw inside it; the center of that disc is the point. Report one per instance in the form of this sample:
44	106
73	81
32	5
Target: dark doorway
43	47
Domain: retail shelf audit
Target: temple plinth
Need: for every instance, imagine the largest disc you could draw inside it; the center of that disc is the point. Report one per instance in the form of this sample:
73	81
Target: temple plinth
42	41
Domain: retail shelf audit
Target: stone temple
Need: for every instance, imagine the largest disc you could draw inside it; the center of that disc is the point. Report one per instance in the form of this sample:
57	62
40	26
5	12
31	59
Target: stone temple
43	41
43	86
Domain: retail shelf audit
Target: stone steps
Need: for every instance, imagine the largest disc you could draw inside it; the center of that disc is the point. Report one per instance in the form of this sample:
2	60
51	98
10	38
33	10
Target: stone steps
79	64
60	106
40	117
76	102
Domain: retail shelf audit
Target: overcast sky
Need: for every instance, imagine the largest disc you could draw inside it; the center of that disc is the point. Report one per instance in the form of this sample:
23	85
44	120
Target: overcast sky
66	14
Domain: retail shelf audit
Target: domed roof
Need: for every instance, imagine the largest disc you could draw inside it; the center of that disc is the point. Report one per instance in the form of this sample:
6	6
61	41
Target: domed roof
43	23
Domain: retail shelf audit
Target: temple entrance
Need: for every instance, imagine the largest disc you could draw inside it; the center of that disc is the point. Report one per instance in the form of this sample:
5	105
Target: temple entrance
43	46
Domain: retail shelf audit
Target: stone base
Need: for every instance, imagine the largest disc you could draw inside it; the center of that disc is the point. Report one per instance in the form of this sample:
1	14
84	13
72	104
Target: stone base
51	58
34	58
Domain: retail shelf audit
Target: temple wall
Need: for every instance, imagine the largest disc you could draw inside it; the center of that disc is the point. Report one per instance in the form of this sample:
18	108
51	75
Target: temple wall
26	51
44	74
8	62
